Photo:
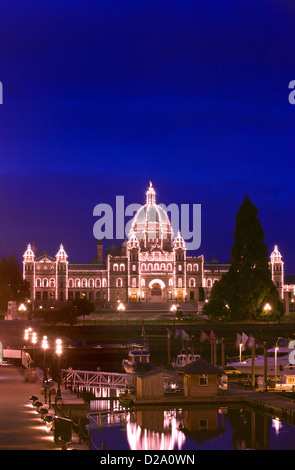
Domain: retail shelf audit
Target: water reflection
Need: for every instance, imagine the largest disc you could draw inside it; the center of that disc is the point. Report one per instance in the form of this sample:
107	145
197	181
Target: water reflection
187	428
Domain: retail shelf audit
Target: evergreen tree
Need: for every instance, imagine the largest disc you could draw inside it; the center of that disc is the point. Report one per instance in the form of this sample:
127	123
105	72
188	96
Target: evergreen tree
248	286
12	286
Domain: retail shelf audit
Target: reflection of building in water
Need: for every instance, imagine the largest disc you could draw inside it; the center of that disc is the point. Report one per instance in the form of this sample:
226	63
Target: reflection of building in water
155	430
202	424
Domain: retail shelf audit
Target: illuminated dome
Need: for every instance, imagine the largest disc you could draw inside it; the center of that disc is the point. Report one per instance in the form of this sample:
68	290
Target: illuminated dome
29	254
151	225
276	256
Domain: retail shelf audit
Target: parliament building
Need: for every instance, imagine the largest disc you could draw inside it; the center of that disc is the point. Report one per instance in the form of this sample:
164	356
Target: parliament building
150	266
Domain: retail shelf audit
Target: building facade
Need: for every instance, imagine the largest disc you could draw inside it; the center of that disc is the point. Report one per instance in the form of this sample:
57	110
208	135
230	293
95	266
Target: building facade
150	266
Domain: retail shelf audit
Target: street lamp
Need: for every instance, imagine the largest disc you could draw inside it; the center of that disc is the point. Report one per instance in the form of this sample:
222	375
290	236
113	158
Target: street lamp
44	346
241	345
34	341
58	351
267	307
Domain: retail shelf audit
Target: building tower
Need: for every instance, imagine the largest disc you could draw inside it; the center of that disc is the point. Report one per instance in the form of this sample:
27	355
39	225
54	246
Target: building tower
277	271
29	269
180	267
62	275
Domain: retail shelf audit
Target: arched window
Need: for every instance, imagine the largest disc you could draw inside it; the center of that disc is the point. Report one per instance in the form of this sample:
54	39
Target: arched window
45	282
209	283
38	282
162	267
52	283
169	267
134	267
142	282
179	282
122	267
91	283
104	282
115	267
196	267
84	283
192	283
180	267
143	267
119	282
150	266
170	282
71	283
77	283
156	267
189	267
98	283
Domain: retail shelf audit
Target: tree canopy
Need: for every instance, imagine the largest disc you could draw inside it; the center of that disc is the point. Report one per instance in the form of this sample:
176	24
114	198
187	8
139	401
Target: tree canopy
247	287
12	285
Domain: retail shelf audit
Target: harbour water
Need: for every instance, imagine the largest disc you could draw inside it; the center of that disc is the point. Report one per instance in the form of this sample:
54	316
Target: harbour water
195	427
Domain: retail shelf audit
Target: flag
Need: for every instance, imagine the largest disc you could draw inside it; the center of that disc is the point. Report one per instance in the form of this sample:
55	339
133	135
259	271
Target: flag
244	341
238	340
204	337
184	335
169	332
212	336
177	333
251	341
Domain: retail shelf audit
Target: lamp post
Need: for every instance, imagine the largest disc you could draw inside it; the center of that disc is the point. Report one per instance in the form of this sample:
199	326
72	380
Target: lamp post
45	346
240	346
34	341
58	351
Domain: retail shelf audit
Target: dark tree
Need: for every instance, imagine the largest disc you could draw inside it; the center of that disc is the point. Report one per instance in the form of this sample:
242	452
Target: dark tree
248	286
12	285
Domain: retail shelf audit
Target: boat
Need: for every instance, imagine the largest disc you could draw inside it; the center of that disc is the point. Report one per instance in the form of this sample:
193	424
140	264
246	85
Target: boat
125	400
184	358
277	360
138	358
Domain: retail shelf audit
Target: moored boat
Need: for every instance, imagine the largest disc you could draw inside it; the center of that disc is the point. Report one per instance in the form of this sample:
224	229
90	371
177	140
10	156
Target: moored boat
138	360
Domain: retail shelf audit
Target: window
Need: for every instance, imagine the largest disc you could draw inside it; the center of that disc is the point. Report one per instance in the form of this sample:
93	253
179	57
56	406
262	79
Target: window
38	295
156	267
169	267
45	295
203	380
209	283
119	282
104	282
134	282
84	283
192	283
163	267
170	282
179	282
91	283
134	267
122	267
142	283
71	295
45	282
77	283
116	267
150	266
51	283
97	295
71	283
38	282
196	267
189	267
98	283
52	295
143	267
179	267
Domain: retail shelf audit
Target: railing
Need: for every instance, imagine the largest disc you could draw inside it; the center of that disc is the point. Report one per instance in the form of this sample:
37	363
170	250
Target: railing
111	380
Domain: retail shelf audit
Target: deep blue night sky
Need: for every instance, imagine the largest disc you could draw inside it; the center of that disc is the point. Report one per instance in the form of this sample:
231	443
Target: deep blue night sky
102	96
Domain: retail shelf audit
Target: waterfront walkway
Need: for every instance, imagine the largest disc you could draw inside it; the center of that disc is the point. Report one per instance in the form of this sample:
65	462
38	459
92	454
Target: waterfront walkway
21	427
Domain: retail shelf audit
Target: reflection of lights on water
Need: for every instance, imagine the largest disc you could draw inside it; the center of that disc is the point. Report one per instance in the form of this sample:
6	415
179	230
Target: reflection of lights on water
277	425
146	439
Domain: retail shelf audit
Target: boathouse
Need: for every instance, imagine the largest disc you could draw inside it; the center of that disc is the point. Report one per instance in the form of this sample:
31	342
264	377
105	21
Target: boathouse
150	385
200	378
